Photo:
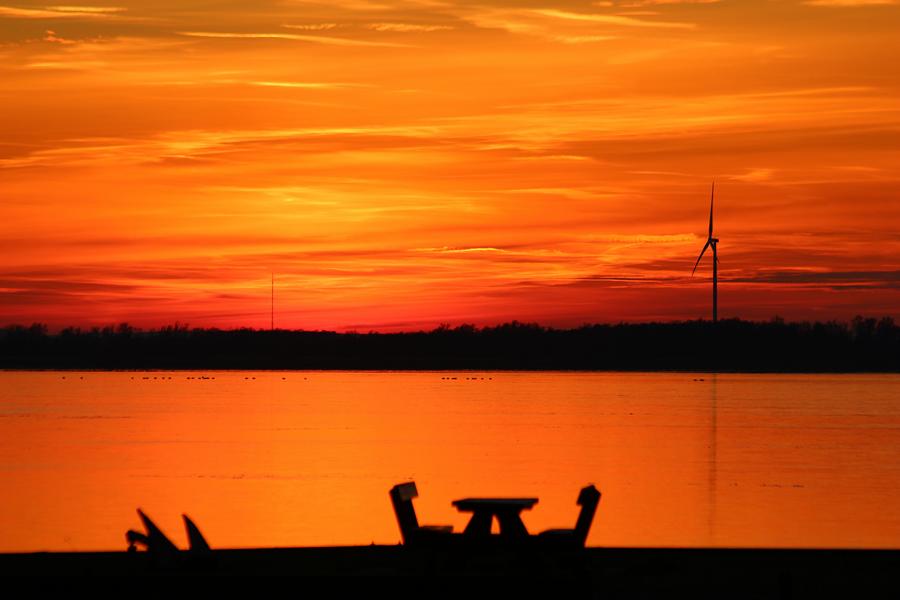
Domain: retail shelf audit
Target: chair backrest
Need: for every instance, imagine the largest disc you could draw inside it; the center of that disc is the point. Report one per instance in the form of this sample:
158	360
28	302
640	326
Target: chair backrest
402	496
588	499
196	542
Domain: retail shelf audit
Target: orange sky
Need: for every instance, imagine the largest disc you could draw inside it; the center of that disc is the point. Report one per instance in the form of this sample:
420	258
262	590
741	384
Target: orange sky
404	164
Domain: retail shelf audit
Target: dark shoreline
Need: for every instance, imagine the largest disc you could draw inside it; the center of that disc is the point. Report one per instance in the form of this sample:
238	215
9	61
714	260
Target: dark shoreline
610	572
864	345
182	370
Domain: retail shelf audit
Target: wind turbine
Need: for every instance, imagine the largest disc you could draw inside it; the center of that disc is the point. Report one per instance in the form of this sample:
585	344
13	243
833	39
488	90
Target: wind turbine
711	241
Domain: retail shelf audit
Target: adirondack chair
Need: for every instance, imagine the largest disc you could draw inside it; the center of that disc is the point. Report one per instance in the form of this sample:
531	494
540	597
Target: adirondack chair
157	543
588	499
402	496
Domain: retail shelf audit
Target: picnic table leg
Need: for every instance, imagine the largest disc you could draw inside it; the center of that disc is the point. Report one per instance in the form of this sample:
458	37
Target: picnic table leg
511	524
480	524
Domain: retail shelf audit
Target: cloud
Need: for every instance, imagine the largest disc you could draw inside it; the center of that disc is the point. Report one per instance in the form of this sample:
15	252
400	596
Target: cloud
69	285
209	144
675	238
755	175
307	85
50	36
562	25
68	65
628	3
314	26
448	250
88	9
615	20
583	39
61	12
832	279
407	27
316	39
850	3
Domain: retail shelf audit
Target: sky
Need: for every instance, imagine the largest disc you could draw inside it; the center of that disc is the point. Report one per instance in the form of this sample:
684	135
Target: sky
400	165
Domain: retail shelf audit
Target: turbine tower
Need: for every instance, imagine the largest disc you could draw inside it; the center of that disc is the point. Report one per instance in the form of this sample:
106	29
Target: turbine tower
711	241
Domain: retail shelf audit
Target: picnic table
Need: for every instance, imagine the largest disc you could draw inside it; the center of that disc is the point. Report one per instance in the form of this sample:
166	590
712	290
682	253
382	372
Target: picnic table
507	511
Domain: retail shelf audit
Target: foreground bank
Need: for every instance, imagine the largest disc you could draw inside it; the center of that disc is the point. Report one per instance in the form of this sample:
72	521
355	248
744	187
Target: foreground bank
614	572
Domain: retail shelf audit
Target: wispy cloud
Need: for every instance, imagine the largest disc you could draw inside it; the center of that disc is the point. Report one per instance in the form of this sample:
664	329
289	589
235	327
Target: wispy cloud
314	26
307	85
850	3
88	9
407	27
755	175
626	3
50	36
563	25
823	278
202	144
615	20
67	65
62	12
315	39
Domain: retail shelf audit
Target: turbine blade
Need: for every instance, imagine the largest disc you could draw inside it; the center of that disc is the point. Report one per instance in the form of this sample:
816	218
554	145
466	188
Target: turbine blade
712	196
699	257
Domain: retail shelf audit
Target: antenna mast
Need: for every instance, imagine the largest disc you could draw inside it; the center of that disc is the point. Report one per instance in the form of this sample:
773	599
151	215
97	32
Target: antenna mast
273	303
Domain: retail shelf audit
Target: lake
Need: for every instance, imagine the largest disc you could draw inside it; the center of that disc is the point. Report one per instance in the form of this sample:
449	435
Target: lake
307	458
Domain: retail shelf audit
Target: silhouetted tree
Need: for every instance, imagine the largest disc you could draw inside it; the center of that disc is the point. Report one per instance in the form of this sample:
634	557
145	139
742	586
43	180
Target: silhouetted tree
864	344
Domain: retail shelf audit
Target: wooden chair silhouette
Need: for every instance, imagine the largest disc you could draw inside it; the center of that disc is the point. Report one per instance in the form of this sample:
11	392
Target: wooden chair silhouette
157	543
402	496
588	499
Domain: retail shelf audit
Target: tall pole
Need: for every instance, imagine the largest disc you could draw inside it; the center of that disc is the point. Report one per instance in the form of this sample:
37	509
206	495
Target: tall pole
273	302
715	284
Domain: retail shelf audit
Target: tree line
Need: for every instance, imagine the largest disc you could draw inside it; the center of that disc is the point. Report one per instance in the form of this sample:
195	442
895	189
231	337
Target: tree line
862	344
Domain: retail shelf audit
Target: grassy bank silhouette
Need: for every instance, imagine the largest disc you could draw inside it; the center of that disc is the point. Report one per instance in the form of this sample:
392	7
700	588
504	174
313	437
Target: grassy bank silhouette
863	344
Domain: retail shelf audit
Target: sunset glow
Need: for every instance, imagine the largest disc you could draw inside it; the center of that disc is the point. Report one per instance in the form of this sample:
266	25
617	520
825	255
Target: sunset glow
401	164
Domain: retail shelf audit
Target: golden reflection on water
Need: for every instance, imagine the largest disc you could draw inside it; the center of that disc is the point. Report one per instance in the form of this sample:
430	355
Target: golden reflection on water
307	458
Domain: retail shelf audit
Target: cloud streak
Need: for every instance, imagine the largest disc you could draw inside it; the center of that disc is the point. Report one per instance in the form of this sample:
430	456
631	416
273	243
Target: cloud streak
62	12
315	39
615	20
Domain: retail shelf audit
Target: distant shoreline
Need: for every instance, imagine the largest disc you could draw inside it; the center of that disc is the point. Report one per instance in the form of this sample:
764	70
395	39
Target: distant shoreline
864	345
432	370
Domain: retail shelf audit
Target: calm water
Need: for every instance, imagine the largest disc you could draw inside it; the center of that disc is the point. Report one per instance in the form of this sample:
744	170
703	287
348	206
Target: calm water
307	458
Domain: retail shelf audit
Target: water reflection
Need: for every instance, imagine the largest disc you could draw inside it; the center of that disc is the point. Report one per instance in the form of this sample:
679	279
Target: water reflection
307	458
713	458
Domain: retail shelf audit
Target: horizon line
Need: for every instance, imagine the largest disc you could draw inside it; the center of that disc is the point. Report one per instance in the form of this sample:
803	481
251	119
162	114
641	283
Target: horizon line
125	326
